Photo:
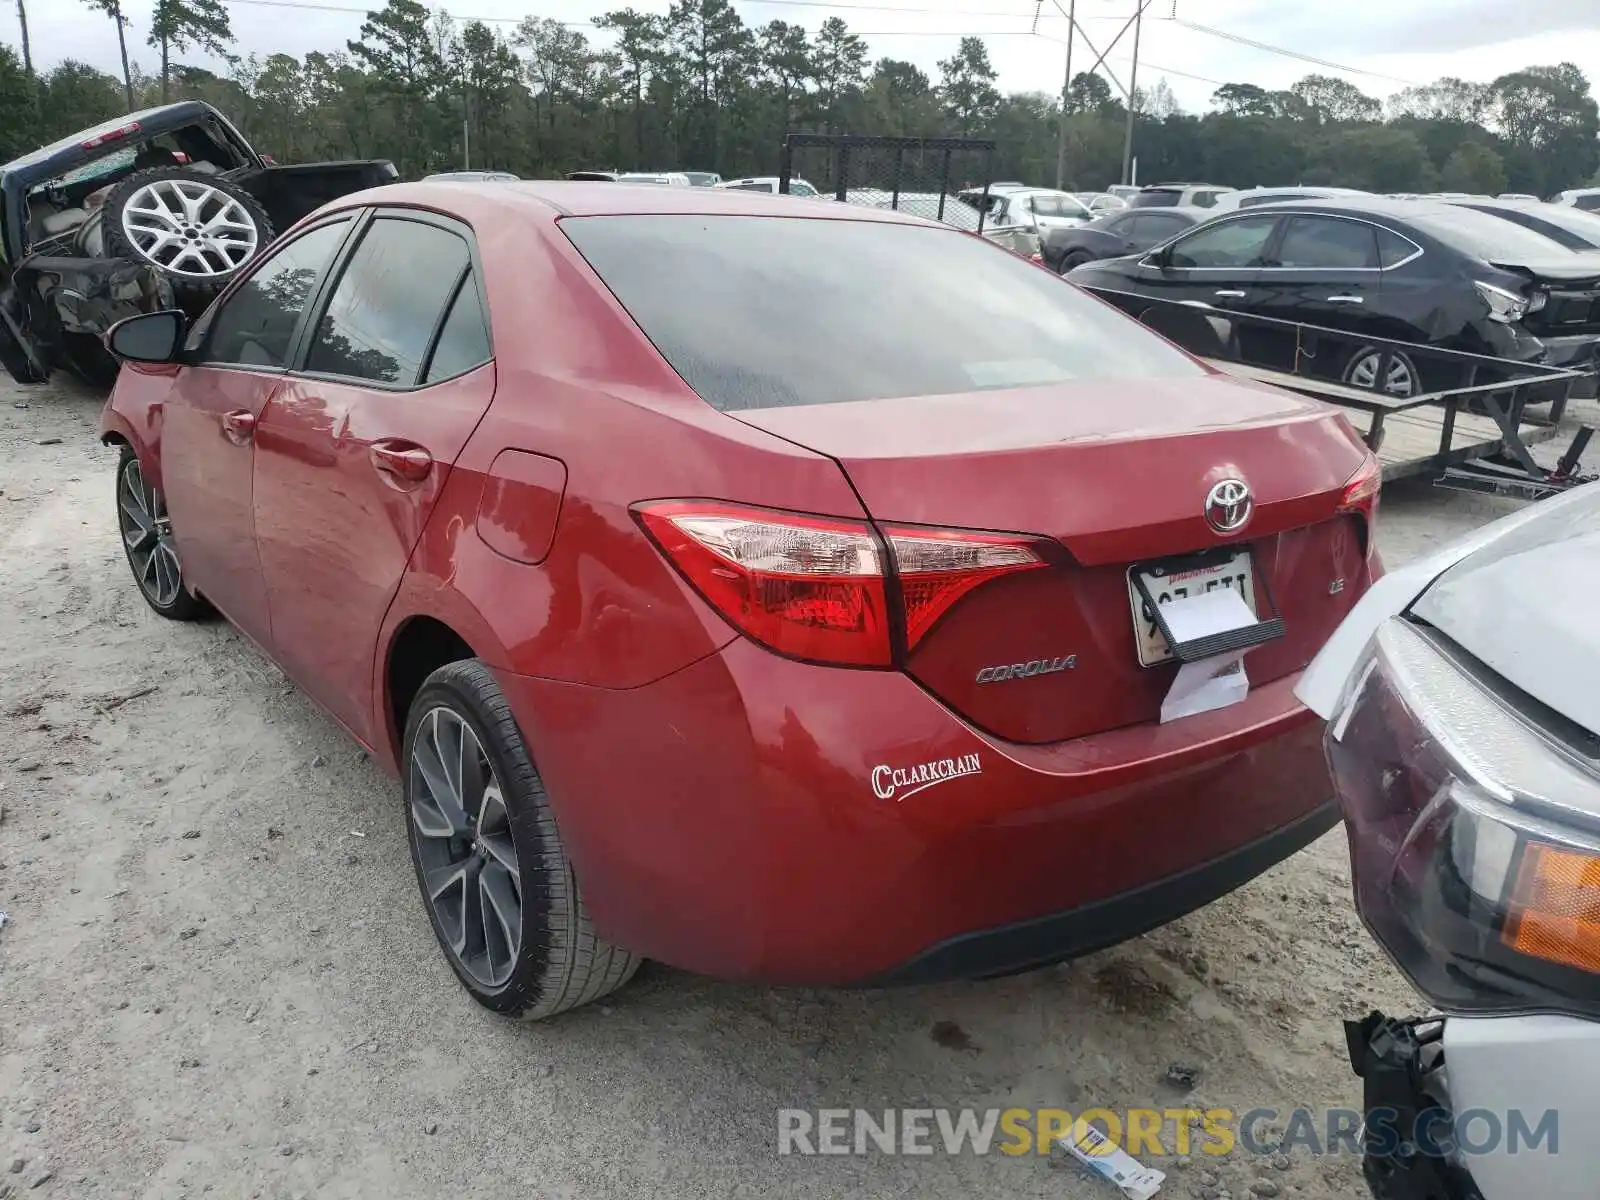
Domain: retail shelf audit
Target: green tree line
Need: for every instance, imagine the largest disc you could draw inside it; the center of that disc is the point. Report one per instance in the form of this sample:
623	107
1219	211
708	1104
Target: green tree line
698	88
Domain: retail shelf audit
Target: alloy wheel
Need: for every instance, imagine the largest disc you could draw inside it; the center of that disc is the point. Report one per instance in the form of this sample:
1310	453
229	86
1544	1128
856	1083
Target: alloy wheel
190	228
1399	380
147	534
462	832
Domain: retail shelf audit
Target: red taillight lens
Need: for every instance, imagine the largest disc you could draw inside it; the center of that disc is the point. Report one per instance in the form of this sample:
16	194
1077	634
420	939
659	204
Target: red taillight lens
1361	489
808	587
817	588
111	135
936	567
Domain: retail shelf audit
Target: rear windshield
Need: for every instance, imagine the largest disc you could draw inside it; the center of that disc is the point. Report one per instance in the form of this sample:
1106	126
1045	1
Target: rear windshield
1155	199
767	312
1485	237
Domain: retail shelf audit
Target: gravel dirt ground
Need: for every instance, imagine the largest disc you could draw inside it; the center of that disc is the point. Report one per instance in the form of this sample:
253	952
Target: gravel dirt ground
217	977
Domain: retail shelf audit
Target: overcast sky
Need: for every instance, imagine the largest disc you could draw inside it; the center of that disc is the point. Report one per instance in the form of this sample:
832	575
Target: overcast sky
1395	42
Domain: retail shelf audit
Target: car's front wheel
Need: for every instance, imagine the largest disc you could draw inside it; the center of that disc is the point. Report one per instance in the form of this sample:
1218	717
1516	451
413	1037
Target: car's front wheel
499	890
147	541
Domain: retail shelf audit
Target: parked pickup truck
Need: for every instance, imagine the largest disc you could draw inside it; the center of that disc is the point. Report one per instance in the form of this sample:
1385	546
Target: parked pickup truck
156	209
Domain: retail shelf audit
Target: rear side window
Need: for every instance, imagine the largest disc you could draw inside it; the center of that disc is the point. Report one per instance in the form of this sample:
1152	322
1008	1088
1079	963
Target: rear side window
768	312
1328	243
388	302
1394	249
1163	199
1158	226
464	340
254	326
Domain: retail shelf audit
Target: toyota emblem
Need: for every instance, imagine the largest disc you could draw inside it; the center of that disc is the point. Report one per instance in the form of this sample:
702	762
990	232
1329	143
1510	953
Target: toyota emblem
1228	505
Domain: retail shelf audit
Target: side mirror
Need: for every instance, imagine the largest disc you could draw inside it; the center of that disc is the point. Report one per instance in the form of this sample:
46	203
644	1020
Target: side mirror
148	338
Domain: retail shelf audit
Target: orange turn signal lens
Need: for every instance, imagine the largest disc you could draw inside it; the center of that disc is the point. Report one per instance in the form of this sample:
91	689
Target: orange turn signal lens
1555	907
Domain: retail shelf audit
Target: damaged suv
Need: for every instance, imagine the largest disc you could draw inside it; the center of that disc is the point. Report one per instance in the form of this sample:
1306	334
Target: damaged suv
156	209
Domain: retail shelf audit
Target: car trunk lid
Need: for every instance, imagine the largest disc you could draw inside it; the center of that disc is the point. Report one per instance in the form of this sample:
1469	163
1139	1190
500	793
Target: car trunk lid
1113	482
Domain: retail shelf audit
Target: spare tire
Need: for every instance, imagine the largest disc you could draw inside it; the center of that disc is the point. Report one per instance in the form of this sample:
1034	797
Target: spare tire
197	229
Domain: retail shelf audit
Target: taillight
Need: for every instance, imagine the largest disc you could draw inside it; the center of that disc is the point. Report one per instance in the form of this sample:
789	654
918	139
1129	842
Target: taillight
819	588
936	567
110	135
1360	492
1360	496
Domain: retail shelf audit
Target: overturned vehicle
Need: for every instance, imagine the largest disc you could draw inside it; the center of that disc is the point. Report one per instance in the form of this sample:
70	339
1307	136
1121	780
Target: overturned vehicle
157	209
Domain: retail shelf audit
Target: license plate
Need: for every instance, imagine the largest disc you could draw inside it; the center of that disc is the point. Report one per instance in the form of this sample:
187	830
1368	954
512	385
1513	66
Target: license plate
1237	571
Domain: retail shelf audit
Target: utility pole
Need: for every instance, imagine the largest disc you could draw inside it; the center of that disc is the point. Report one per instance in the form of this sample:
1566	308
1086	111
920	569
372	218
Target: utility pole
1133	92
1066	100
27	48
466	112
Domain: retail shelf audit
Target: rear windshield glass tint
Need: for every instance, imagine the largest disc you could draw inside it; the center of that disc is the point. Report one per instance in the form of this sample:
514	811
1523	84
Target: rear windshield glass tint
1486	237
763	312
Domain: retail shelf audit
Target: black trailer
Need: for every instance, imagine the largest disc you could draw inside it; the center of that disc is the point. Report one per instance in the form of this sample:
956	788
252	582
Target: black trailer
1471	437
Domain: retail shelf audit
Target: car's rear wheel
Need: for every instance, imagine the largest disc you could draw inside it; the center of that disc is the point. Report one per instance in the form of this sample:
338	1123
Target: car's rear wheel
1400	379
147	541
1073	258
499	889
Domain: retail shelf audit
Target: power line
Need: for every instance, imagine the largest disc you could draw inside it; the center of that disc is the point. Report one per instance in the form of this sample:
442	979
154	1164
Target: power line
1241	40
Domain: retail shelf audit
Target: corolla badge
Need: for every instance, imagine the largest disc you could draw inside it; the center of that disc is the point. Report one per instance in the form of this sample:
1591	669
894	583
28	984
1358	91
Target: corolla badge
899	783
1228	505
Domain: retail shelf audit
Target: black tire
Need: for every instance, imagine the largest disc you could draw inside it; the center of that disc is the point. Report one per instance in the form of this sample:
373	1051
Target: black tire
1072	259
1360	371
558	962
156	568
188	289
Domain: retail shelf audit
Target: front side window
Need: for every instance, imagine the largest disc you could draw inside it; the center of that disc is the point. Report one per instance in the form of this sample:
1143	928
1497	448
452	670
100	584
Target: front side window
772	323
256	324
800	187
1229	244
388	301
1328	243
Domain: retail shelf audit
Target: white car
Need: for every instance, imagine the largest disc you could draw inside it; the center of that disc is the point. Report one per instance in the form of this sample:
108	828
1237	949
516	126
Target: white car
660	178
1101	203
1464	740
1037	209
769	183
1584	198
1250	197
1178	195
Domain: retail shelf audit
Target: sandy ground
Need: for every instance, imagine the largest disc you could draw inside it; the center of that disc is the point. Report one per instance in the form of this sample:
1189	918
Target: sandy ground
217	977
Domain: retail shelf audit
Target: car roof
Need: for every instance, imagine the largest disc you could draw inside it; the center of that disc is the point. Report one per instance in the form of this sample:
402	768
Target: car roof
152	122
551	199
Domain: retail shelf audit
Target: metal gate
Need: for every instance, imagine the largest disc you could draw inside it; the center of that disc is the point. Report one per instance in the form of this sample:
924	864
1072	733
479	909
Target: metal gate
921	176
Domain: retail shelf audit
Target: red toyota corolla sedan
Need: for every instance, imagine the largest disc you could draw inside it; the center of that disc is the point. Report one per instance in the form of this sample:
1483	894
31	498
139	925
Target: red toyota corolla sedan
760	586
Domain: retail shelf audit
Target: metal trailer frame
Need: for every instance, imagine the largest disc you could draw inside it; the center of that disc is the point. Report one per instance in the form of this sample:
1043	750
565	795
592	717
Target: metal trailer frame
1500	464
844	143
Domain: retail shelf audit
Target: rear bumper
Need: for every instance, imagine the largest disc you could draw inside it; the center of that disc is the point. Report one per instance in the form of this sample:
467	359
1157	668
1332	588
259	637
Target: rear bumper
743	817
1101	923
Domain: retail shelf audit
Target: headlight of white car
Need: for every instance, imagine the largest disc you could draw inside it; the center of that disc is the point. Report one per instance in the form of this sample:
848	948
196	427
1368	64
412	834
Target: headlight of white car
1474	823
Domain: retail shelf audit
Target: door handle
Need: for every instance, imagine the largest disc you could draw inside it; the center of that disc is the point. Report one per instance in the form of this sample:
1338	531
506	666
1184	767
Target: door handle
403	460
238	426
1230	294
1344	300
